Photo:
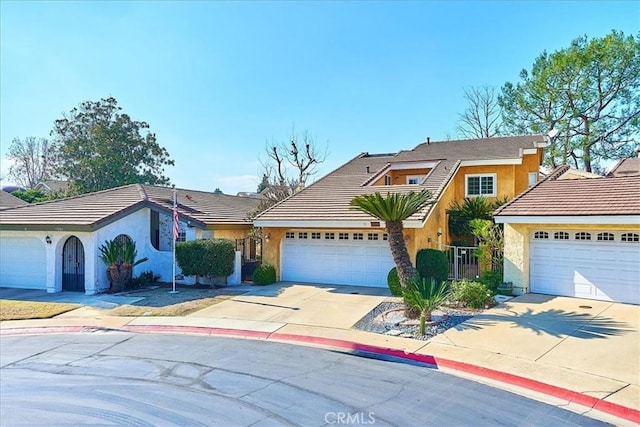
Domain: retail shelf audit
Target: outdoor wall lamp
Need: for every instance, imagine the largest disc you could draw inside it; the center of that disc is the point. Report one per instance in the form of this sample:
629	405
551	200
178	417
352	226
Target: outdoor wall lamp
267	237
48	240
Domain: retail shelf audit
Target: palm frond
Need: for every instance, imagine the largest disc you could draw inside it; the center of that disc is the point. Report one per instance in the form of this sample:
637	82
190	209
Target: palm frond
393	206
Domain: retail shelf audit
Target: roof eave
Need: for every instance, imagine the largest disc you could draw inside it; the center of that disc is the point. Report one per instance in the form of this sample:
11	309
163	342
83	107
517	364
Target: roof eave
629	219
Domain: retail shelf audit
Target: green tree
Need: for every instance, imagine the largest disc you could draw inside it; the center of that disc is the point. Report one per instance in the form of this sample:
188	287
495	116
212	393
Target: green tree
393	209
589	92
263	184
31	159
96	147
32	195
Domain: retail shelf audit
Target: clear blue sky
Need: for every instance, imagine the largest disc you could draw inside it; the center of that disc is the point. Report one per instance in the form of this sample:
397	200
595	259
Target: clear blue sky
216	80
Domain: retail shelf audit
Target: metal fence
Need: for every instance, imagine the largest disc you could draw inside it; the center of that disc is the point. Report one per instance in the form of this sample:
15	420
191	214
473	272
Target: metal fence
463	263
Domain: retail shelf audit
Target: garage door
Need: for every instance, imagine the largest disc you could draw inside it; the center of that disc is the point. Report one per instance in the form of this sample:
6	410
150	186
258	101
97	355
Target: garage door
22	263
341	258
603	265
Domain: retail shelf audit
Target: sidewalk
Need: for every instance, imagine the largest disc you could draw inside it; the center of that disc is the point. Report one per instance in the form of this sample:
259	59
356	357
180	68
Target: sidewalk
550	349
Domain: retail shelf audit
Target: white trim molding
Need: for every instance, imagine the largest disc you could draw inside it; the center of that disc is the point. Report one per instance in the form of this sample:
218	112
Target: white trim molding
557	219
491	162
480	175
332	224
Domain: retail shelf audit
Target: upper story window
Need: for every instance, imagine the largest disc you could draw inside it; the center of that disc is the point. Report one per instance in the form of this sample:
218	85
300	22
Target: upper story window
533	178
387	180
414	180
480	185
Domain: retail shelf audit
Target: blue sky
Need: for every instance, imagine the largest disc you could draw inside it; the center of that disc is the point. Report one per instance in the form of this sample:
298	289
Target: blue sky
216	80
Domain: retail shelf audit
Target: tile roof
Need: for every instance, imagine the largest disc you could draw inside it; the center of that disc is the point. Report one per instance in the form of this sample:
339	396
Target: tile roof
328	198
626	167
8	200
572	197
94	210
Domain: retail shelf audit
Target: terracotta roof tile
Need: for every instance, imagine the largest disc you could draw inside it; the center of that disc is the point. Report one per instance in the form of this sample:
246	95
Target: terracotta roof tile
626	167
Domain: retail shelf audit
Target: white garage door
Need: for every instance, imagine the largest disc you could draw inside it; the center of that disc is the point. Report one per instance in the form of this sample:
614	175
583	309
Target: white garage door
22	263
586	264
341	258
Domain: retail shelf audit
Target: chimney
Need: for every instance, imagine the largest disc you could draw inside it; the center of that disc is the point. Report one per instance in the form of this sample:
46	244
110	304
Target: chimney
428	140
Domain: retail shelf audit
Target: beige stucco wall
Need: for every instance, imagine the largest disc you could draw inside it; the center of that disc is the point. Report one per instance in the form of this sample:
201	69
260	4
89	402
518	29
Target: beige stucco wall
516	247
231	232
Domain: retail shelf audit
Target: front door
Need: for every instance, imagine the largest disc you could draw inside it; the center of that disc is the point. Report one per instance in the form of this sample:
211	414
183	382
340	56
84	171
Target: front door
73	265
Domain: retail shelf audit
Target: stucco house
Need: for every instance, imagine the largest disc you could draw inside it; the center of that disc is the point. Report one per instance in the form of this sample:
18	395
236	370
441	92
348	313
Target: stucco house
8	200
314	236
55	245
576	237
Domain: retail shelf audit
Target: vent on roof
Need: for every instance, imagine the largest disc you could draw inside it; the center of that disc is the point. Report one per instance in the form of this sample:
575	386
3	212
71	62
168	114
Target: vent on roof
367	169
428	140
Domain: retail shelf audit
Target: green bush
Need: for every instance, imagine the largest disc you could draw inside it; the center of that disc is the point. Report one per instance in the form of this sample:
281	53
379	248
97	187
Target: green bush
264	274
145	278
471	294
432	264
393	281
491	279
206	258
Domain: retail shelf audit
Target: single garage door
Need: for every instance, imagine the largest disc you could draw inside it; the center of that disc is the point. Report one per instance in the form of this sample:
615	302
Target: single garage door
22	263
603	265
341	258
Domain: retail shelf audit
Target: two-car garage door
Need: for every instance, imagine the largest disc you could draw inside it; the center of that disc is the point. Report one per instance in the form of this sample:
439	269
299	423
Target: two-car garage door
603	265
22	263
341	258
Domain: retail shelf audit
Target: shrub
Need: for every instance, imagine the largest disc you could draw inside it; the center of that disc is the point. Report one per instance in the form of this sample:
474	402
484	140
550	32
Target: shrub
425	296
471	294
264	274
145	278
393	281
206	258
432	264
491	279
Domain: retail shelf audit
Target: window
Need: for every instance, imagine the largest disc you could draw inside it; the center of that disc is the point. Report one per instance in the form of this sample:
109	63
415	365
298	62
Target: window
414	180
290	235
330	236
343	236
583	236
182	236
385	236
302	235
372	236
480	185
316	235
540	235
605	237
561	235
358	236
533	178
387	180
630	237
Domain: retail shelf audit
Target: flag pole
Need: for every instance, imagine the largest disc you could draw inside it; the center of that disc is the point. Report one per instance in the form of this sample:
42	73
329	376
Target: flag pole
174	233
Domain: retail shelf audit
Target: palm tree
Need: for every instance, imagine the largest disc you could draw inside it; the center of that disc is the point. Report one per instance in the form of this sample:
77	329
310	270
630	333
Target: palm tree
425	297
393	209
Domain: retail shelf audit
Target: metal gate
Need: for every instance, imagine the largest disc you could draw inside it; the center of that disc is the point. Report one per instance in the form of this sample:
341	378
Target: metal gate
73	265
251	254
463	263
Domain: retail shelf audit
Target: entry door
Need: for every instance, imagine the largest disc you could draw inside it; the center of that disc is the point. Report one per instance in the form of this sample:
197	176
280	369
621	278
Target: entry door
73	265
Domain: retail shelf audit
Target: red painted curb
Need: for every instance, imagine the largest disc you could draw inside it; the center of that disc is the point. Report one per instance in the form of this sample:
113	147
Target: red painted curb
610	408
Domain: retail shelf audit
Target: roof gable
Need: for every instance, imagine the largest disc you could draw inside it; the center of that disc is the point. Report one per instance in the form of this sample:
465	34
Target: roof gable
8	200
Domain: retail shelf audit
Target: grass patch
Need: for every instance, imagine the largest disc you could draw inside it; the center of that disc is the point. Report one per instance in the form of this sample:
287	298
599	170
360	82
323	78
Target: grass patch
21	310
159	302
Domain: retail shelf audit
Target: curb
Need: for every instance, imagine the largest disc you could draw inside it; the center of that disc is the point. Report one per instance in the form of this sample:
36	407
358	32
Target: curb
365	350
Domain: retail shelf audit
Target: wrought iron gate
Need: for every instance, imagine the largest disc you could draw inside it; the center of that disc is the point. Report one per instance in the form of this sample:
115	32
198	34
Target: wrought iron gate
463	263
73	265
251	253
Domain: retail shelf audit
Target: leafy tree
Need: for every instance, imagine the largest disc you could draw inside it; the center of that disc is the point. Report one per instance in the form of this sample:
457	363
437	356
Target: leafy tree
393	209
96	147
589	92
490	237
288	168
482	117
461	214
32	195
31	161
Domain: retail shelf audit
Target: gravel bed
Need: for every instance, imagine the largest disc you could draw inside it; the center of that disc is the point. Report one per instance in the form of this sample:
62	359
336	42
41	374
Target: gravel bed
369	323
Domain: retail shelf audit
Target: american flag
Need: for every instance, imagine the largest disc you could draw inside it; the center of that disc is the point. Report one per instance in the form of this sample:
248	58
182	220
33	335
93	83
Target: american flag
176	221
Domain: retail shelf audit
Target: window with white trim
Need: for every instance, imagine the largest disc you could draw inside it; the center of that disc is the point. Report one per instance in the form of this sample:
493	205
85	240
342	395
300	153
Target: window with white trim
358	236
343	236
316	235
583	235
387	180
533	178
182	236
630	237
414	180
561	235
605	237
290	235
539	235
302	235
372	236
330	236
480	185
